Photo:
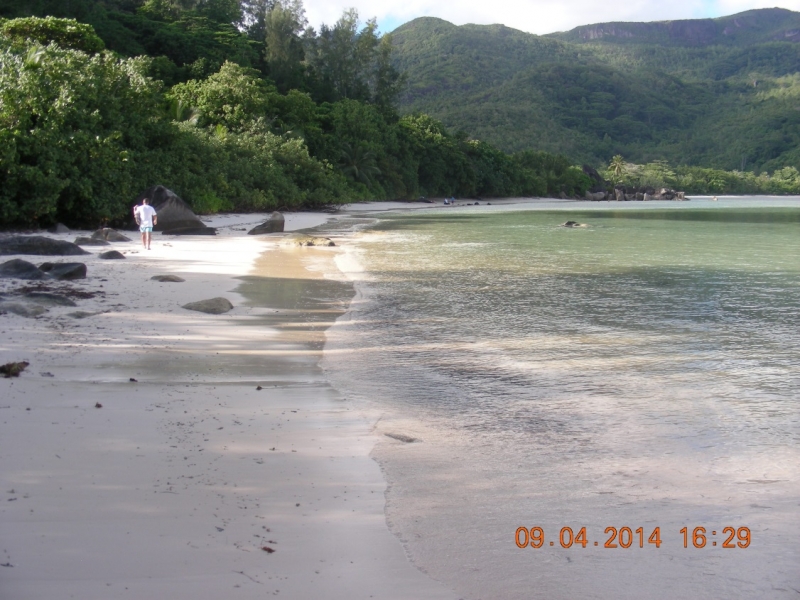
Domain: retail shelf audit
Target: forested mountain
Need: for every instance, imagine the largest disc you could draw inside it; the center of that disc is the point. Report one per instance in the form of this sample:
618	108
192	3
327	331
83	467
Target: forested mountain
234	104
720	92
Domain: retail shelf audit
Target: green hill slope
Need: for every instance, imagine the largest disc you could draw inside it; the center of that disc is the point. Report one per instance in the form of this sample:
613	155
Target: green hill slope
717	92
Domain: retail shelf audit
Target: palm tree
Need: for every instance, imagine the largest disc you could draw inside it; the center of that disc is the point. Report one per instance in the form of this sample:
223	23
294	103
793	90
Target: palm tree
617	168
358	163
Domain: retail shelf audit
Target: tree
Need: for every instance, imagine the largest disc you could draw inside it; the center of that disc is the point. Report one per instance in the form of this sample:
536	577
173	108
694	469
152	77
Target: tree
283	48
358	163
617	168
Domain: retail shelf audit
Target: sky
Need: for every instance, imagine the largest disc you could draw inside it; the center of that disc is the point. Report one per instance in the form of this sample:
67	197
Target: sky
534	16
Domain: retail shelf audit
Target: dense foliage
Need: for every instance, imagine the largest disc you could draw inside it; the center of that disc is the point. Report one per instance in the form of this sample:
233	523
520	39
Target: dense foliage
235	106
721	93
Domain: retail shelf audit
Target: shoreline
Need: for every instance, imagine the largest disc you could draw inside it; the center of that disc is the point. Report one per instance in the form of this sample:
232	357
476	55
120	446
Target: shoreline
173	487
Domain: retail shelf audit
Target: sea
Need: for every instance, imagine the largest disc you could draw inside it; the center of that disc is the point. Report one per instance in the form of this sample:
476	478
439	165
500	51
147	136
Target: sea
603	411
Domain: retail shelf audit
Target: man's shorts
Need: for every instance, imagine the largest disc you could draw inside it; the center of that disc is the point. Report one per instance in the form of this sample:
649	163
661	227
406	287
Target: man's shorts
144	229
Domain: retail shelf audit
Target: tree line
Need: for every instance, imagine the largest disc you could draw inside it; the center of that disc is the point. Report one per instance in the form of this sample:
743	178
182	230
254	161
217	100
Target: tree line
236	105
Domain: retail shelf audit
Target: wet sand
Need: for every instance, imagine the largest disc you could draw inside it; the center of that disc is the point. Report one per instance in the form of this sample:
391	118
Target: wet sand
191	482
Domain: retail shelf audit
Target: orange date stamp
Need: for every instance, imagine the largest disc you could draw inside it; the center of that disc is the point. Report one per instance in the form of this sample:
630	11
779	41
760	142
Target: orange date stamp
626	537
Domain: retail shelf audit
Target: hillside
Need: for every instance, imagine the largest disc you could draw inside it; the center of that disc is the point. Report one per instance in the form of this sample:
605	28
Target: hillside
717	92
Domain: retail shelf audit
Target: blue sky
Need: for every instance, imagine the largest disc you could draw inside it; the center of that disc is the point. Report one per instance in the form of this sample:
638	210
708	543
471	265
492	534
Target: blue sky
534	16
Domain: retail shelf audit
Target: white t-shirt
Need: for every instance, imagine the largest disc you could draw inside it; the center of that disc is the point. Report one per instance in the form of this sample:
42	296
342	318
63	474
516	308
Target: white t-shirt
145	212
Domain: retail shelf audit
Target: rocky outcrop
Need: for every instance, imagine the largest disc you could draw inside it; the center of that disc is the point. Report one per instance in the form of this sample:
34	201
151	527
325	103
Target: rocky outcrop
64	271
173	213
111	255
38	245
571	224
87	241
20	269
167	278
213	306
274	224
598	183
110	235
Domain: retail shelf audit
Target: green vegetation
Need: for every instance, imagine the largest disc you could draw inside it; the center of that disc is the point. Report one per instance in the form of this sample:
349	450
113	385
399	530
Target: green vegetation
234	105
239	105
721	93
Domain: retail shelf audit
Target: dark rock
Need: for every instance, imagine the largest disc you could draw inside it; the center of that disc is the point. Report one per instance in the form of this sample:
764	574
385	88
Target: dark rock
13	369
39	245
401	437
87	241
49	299
598	183
213	306
110	235
173	213
573	224
167	278
82	314
59	228
21	269
274	224
191	231
64	271
111	255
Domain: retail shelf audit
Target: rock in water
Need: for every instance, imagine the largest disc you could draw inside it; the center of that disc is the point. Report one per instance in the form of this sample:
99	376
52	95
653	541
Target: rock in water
173	213
64	271
214	306
21	269
168	278
274	224
87	241
38	244
301	239
111	255
13	369
110	235
571	224
59	228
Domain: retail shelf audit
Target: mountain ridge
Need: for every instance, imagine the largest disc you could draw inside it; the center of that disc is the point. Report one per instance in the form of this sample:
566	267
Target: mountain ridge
728	105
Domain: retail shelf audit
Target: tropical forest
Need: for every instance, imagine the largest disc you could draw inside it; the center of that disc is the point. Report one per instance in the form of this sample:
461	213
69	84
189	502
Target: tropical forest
240	105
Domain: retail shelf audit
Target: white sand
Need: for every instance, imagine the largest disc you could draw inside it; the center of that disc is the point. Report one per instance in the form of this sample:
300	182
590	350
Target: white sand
174	486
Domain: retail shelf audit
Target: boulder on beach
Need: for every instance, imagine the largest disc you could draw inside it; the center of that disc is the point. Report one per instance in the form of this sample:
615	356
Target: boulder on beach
64	271
110	235
191	231
173	213
87	241
274	224
58	228
213	306
111	255
39	245
302	239
168	278
20	269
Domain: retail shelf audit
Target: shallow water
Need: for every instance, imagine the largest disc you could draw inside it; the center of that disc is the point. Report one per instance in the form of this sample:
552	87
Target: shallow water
640	372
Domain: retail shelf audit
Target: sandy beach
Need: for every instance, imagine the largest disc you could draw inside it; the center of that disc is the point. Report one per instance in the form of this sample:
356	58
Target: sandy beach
155	452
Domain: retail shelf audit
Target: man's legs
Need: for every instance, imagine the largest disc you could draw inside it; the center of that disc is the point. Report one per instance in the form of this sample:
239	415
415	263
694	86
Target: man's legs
144	239
149	236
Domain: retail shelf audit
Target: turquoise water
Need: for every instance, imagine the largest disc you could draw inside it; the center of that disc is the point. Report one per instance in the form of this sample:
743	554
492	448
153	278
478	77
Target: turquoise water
641	371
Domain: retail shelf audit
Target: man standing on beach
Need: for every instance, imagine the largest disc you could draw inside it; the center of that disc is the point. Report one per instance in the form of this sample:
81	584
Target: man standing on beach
146	217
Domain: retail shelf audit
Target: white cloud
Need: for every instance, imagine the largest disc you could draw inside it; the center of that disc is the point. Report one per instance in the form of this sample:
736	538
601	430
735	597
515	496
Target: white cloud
535	16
